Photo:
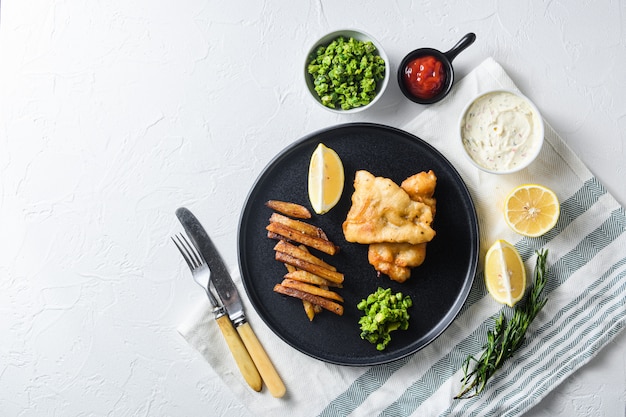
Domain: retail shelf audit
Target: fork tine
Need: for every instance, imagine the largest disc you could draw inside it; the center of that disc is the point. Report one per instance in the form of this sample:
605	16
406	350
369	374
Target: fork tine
193	259
193	251
183	251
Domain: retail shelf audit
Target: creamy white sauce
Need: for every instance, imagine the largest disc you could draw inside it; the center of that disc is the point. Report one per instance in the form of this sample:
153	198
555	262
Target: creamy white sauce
501	131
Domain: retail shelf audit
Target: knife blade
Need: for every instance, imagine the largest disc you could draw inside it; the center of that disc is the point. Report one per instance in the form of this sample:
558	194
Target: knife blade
229	295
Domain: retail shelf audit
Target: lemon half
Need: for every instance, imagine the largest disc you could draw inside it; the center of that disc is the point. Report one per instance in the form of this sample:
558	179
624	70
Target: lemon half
531	209
326	179
505	274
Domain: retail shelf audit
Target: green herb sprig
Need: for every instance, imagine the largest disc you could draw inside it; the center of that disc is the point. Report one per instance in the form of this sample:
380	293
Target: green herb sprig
506	337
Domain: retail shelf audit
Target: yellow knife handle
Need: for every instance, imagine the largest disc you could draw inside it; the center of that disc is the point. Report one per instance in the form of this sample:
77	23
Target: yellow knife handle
240	353
261	360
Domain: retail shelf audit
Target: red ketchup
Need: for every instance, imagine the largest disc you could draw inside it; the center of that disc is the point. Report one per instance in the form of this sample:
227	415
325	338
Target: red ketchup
425	77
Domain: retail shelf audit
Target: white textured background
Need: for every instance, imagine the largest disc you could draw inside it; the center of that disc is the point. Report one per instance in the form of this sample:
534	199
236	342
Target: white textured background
115	113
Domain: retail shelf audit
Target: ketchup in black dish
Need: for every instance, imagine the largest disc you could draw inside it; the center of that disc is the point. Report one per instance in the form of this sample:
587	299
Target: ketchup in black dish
425	77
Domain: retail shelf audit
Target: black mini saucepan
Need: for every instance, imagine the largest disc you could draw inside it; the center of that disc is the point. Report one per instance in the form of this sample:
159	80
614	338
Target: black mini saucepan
446	60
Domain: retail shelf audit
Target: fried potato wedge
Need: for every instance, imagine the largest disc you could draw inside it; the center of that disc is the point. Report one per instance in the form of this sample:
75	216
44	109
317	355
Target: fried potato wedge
315	299
300	226
334	276
276	236
309	278
309	309
294	235
299	252
311	289
289	209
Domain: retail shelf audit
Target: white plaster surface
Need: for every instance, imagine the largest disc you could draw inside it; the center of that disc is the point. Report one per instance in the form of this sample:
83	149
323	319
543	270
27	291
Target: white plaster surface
114	113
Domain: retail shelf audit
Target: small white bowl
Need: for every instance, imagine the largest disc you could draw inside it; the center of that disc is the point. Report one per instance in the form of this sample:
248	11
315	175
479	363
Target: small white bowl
501	131
360	36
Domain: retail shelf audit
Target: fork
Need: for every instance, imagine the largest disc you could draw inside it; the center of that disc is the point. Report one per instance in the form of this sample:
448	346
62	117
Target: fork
201	275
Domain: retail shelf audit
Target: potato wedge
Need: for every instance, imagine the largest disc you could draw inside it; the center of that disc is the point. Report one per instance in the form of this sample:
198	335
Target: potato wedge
300	226
334	276
298	252
276	236
314	242
289	209
309	278
311	289
315	299
309	309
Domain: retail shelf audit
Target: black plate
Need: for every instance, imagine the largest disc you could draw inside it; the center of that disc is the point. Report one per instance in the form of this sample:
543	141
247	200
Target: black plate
439	287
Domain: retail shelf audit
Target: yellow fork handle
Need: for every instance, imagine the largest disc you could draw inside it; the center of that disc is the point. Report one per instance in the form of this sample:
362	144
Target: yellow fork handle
240	353
261	360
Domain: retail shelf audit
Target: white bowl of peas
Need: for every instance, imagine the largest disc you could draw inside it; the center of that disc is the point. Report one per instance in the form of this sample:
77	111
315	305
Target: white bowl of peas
346	71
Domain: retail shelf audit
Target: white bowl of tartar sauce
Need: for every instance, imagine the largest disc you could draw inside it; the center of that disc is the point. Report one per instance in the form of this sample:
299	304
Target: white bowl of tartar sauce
501	131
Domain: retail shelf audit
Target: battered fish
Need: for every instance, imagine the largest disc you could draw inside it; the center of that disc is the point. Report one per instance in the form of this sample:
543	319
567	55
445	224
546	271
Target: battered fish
383	212
396	259
421	187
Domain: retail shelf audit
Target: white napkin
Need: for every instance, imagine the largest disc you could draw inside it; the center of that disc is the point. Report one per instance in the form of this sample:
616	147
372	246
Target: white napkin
586	290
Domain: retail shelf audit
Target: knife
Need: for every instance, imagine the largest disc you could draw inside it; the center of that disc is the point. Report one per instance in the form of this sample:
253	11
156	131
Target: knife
229	295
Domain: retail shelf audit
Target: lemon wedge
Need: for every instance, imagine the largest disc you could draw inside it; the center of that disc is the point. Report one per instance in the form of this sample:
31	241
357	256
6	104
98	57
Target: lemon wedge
505	274
531	209
326	178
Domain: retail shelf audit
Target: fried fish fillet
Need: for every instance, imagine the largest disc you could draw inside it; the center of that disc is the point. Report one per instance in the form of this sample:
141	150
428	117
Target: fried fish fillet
383	212
396	259
421	187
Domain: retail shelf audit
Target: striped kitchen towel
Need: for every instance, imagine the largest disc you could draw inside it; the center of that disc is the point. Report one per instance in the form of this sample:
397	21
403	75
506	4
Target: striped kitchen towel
586	290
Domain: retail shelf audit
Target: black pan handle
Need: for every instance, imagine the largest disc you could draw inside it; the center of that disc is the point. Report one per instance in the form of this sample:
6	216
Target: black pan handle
465	41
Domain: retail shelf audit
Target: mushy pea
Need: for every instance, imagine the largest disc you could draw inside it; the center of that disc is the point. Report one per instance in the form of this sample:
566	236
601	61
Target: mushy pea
345	72
384	312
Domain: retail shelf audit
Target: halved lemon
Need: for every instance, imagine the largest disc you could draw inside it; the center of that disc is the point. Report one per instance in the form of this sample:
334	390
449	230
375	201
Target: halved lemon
531	209
505	274
326	178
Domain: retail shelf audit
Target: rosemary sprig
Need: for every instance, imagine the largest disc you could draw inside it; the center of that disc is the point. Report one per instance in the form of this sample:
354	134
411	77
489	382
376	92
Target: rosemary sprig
506	337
